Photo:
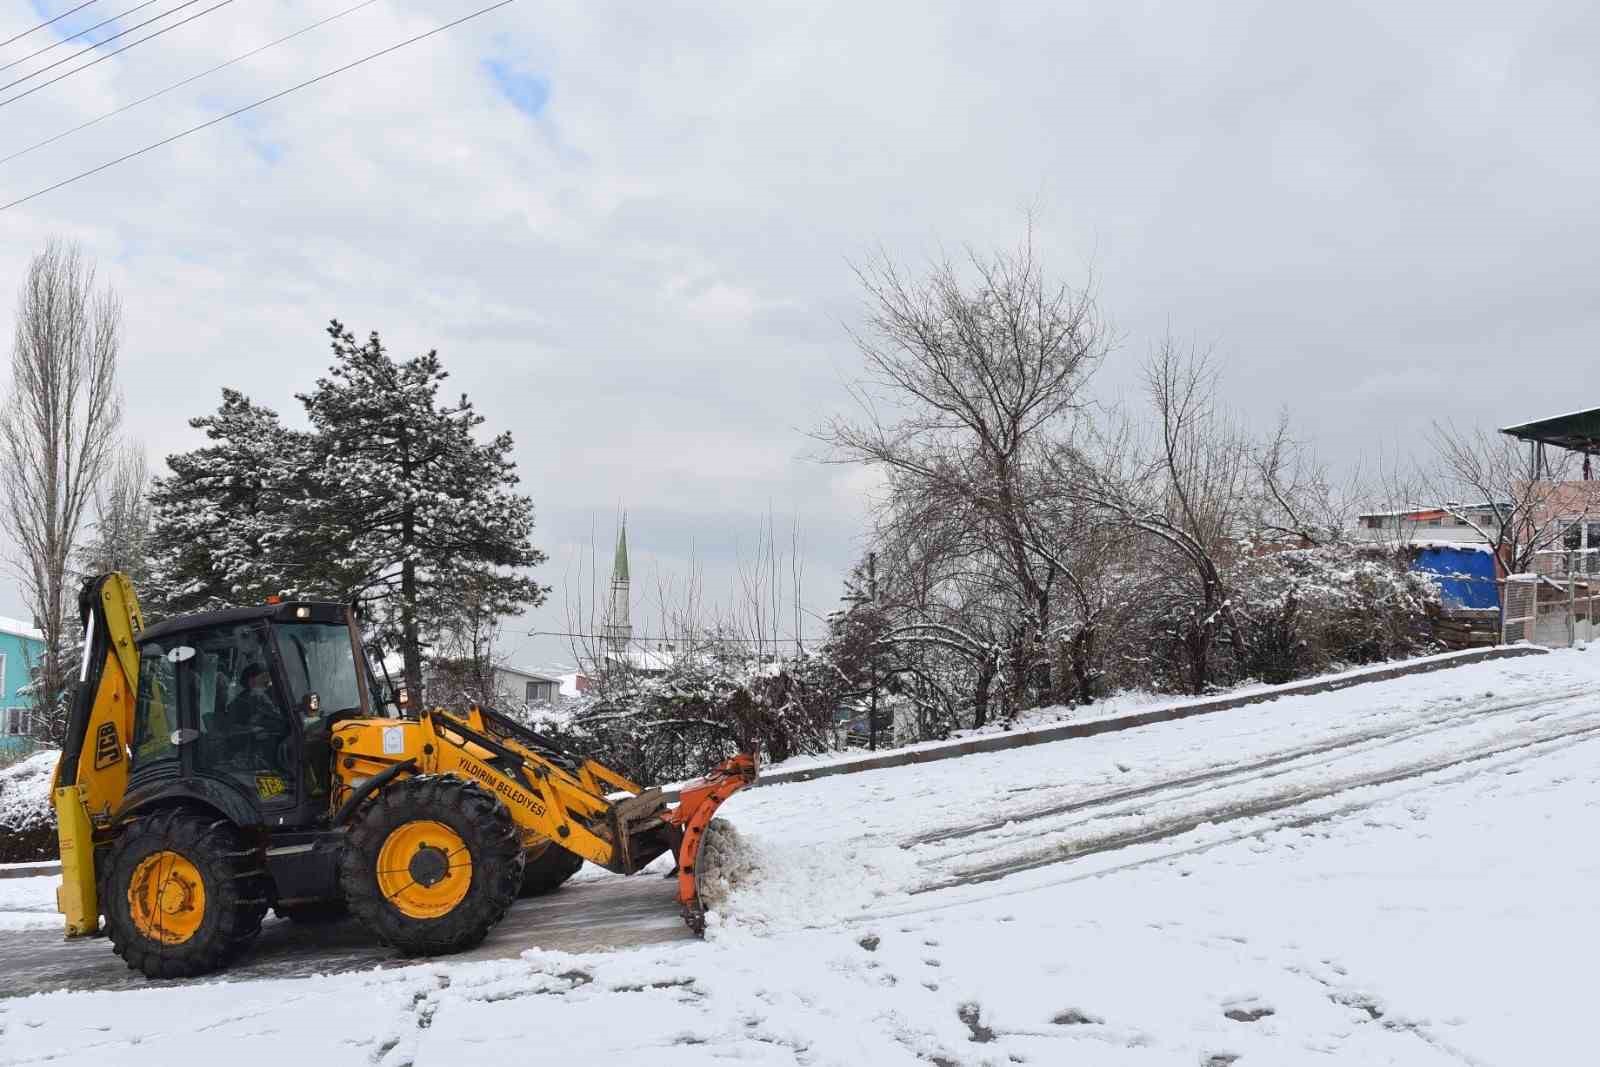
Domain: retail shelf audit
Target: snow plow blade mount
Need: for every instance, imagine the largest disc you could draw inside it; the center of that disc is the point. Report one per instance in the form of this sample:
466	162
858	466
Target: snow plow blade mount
698	802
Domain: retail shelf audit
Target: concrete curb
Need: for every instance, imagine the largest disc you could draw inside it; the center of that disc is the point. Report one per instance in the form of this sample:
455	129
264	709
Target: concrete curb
29	870
1167	713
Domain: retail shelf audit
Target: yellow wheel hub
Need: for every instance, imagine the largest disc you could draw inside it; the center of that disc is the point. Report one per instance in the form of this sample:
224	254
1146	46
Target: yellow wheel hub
424	869
167	898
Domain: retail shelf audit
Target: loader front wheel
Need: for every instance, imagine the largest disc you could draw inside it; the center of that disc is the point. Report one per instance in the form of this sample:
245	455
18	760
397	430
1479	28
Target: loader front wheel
432	864
182	894
547	866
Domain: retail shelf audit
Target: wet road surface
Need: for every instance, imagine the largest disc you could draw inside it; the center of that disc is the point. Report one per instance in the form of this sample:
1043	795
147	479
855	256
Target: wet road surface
582	916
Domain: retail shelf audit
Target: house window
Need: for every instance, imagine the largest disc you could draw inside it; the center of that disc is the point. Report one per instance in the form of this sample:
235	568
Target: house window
1583	538
14	721
531	692
3	690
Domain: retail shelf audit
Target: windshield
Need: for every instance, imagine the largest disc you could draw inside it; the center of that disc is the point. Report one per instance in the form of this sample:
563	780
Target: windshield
319	658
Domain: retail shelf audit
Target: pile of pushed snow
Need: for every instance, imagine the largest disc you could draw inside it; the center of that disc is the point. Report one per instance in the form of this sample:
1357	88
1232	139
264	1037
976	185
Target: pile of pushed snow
27	821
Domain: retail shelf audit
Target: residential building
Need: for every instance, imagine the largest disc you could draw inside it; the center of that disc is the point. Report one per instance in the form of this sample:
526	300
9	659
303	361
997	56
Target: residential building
1570	505
21	646
1452	522
522	685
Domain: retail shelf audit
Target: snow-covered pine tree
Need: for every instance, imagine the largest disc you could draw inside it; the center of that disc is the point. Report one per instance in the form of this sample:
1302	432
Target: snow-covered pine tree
229	517
426	507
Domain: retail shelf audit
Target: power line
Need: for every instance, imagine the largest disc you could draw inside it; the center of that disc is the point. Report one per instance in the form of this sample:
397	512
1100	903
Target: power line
80	33
117	52
48	22
250	107
97	44
186	81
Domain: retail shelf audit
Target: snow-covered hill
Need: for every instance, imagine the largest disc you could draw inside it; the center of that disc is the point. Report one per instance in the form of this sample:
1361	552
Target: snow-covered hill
1399	873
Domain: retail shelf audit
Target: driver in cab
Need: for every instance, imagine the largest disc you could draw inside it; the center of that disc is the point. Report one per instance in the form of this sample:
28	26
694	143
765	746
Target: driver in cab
255	724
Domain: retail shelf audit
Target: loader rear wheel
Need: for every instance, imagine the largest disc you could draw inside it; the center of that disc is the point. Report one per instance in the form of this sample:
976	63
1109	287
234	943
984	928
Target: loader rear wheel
182	895
547	866
432	864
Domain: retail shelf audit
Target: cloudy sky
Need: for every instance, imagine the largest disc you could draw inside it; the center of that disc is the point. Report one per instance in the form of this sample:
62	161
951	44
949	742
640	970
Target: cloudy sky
627	227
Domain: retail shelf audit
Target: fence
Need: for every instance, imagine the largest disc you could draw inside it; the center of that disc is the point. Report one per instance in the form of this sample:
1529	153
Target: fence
1555	605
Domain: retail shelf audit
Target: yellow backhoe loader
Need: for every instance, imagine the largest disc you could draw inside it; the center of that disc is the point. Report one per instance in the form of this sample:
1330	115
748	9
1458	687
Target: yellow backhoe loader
222	763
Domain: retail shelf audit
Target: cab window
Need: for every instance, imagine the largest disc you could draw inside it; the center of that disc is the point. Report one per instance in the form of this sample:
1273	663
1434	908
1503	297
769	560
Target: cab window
245	730
155	709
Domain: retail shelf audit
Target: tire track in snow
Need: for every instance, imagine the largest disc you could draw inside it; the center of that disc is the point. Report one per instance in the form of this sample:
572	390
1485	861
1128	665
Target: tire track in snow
1222	842
1218	776
1261	806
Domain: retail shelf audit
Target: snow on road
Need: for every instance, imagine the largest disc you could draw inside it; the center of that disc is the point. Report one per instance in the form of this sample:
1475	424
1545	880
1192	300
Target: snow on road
29	903
1400	873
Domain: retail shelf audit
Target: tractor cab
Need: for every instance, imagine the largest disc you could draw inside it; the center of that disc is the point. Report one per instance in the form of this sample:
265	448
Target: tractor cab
237	706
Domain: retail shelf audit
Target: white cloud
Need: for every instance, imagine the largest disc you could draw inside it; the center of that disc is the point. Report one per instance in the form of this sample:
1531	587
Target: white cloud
645	283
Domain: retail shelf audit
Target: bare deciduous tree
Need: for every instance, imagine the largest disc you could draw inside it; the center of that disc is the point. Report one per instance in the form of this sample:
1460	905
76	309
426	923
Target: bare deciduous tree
1187	495
970	372
1296	498
1504	491
120	540
58	430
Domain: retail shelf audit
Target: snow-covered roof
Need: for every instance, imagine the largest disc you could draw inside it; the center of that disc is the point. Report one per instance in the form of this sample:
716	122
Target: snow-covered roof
1445	542
531	673
18	628
645	659
1423	509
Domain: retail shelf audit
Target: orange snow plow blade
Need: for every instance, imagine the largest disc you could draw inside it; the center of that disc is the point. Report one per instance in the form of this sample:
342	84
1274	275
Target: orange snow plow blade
698	802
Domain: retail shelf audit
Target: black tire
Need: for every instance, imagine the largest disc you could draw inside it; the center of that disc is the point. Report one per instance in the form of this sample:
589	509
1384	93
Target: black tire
546	866
233	882
494	853
311	913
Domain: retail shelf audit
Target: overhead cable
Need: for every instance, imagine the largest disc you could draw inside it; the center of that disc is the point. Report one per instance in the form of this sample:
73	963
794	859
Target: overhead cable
80	33
192	78
48	22
252	106
85	51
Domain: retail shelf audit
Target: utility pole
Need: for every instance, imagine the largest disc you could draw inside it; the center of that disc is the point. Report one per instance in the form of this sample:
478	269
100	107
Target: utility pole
872	659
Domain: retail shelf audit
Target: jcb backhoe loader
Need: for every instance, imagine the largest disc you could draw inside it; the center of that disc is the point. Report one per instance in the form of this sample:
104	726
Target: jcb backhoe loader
222	763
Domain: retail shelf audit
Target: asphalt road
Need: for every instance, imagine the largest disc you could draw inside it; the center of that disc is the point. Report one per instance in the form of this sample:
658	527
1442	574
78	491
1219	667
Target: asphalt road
583	916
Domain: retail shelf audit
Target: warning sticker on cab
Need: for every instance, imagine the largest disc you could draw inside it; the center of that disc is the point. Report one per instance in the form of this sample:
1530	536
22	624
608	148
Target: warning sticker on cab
394	740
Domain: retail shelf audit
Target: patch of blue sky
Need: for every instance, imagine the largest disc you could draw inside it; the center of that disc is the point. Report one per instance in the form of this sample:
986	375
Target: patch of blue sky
528	93
253	125
74	23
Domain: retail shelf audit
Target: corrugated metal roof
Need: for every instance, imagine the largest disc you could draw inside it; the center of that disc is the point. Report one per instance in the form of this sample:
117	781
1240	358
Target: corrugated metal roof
1578	431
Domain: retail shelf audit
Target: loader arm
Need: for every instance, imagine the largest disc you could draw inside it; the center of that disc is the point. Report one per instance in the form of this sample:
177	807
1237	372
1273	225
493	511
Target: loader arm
92	774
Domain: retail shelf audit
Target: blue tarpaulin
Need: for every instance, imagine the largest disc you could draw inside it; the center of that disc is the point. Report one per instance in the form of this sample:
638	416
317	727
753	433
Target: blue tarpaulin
1465	575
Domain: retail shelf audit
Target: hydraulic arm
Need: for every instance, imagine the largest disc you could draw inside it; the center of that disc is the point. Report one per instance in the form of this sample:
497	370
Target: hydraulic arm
92	775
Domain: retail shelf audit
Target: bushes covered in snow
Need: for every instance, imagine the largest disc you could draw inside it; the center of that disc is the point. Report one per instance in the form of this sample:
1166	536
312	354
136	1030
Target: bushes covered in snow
27	821
713	699
1314	610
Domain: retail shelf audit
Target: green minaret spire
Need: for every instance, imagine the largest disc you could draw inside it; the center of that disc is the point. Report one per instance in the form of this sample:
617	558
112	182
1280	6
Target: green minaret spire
619	569
619	627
